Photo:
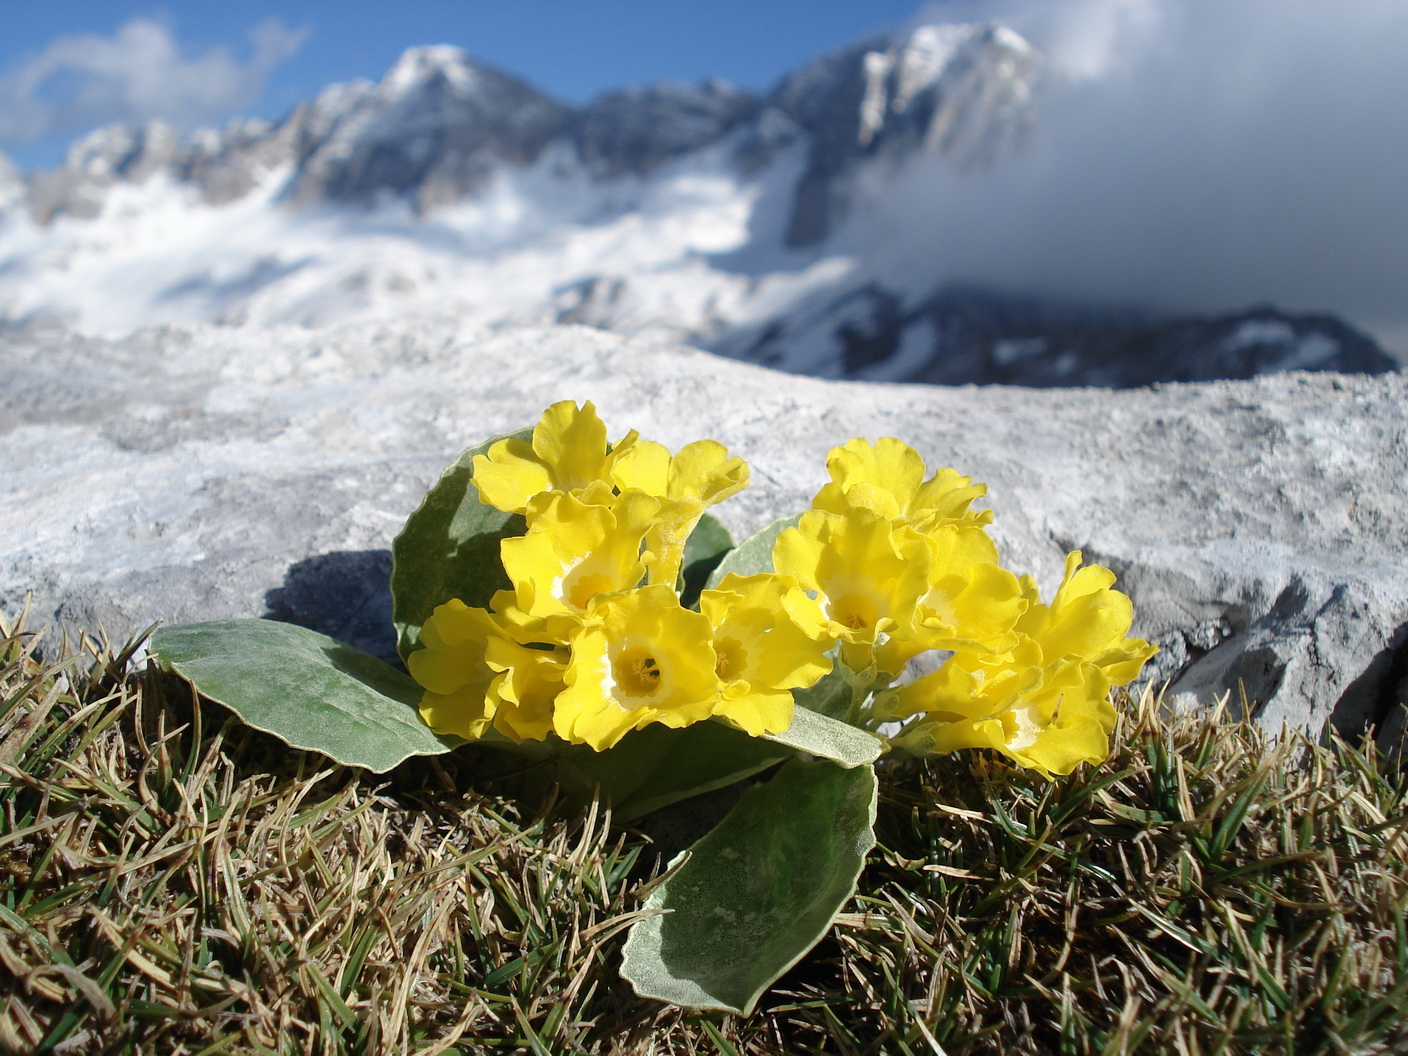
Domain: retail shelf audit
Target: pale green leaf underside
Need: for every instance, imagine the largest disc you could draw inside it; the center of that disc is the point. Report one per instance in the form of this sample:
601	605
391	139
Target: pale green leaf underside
754	554
758	891
303	687
831	696
829	738
656	766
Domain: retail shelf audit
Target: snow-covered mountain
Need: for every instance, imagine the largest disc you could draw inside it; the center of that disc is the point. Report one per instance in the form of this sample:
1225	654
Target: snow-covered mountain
759	227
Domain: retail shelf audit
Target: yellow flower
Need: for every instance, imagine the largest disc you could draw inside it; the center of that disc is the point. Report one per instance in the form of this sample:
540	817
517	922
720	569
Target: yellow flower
1044	702
574	551
971	601
868	579
568	453
639	657
888	478
453	670
1088	620
769	639
688	483
1049	719
523	695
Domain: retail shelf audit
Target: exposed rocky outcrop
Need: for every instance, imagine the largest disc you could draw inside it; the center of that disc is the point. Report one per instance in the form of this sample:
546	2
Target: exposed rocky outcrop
963	91
964	336
1259	525
431	130
434	128
701	213
635	130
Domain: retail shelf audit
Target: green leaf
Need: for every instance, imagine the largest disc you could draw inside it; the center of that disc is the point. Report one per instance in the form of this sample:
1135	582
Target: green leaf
758	891
829	738
754	554
449	548
830	697
704	549
305	688
657	766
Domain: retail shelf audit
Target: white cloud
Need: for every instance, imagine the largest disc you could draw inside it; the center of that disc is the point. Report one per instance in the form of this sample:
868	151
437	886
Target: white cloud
139	74
1197	155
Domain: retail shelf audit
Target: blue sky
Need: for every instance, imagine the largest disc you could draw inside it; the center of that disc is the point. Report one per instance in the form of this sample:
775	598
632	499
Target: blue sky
68	67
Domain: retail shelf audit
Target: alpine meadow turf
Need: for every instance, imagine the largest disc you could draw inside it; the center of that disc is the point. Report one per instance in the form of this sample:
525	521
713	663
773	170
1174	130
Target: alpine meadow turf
173	882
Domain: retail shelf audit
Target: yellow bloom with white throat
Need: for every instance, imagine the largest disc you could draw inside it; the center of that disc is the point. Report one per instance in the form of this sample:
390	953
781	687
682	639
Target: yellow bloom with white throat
868	577
769	639
575	550
639	657
1045	702
1048	718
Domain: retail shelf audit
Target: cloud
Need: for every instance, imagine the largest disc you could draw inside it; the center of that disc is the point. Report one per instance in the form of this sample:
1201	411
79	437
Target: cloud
137	75
1193	155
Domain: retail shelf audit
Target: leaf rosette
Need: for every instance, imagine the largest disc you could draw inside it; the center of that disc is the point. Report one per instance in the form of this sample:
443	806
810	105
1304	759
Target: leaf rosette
572	601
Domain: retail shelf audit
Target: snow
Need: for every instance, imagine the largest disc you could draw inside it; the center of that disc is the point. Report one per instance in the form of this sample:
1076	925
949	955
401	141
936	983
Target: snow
925	57
693	254
417	65
1013	350
1309	352
1258	332
1305	352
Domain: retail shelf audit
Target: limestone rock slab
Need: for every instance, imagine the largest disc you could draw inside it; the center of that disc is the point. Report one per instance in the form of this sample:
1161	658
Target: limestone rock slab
1261	526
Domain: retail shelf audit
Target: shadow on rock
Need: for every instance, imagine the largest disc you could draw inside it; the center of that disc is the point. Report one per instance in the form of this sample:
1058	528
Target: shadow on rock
346	595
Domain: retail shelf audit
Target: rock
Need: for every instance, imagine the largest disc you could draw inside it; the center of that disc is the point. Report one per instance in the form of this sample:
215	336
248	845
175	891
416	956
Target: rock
636	130
962	91
963	335
990	338
434	129
181	475
112	154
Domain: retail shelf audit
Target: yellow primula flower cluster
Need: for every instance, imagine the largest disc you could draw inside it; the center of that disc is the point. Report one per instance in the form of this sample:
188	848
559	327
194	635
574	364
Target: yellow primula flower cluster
902	565
592	640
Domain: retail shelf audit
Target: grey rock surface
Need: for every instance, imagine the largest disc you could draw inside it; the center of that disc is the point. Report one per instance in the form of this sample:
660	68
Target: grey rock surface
963	91
433	129
962	335
1259	525
635	130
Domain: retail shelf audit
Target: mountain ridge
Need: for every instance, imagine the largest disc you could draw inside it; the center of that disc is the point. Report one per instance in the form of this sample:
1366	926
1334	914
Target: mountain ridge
701	213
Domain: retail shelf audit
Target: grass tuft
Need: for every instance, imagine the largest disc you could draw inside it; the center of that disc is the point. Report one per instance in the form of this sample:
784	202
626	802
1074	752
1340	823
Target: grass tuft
173	882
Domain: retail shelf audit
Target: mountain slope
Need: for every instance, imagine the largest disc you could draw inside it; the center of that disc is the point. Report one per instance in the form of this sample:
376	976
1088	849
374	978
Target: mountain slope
702	213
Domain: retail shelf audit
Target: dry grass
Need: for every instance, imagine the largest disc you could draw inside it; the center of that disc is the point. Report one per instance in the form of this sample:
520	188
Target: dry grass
171	882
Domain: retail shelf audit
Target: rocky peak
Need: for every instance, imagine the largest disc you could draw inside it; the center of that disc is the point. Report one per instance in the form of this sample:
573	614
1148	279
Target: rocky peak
95	162
635	130
432	129
421	69
119	151
964	91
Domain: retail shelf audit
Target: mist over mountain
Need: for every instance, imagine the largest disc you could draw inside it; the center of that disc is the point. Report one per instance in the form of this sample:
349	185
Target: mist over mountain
954	202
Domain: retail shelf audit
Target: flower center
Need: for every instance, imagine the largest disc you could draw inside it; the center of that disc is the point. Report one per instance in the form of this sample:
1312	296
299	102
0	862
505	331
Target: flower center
636	672
854	611
732	658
